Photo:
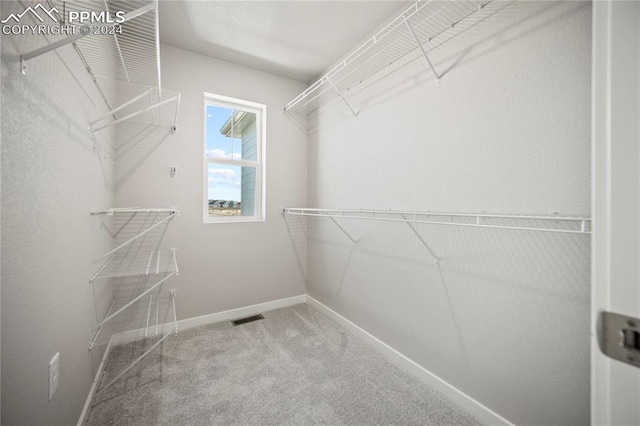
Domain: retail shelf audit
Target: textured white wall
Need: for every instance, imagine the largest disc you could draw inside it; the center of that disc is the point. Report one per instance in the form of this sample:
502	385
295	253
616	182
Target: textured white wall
225	265
505	317
51	179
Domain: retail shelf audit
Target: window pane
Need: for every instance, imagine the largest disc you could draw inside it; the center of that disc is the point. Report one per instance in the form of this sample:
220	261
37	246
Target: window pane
218	145
231	190
231	134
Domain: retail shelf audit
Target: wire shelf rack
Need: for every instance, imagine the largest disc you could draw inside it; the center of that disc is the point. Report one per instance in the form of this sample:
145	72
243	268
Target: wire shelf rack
146	111
537	223
138	233
130	51
151	315
157	262
416	31
120	49
138	269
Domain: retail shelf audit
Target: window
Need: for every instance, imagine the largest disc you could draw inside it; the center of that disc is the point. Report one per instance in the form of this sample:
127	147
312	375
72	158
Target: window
234	172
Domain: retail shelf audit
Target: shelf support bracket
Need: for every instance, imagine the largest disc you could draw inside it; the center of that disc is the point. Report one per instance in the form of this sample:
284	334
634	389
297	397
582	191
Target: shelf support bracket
424	52
342	229
296	122
101	268
48	48
436	261
342	97
115	110
95	336
172	292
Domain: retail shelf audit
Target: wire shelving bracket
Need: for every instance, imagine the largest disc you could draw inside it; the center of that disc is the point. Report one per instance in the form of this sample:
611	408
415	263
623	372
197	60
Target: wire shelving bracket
425	23
436	261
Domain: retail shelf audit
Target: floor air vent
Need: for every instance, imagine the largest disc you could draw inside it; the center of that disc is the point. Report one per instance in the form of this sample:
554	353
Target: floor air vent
247	319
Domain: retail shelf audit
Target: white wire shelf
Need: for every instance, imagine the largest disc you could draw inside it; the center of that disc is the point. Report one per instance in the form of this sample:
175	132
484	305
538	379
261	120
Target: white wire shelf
128	51
134	210
156	319
138	274
158	262
144	110
138	232
417	30
537	223
148	316
123	60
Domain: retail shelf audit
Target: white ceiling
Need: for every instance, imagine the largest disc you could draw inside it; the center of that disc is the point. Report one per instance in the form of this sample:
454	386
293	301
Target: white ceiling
294	39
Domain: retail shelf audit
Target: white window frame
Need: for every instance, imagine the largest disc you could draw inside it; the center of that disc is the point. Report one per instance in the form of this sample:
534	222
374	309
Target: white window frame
260	111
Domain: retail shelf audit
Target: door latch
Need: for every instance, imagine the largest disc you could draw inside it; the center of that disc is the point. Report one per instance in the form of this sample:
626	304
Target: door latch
619	337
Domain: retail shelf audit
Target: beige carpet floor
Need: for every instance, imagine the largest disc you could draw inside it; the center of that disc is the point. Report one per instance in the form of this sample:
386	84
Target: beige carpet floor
294	367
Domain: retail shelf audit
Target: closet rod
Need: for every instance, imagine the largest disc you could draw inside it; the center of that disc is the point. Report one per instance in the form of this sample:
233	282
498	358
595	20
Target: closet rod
417	217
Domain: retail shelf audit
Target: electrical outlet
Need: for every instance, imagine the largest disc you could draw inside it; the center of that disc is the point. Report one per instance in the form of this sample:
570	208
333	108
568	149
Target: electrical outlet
54	374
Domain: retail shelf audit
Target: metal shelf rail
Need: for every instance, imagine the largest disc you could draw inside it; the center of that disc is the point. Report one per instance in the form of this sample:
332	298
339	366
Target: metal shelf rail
528	223
417	30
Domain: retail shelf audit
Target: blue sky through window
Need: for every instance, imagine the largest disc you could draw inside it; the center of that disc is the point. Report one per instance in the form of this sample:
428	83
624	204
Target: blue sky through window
223	180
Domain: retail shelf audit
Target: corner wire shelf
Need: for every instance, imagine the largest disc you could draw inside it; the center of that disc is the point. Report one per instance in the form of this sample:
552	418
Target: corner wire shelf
134	312
417	30
153	317
124	65
140	318
155	262
527	223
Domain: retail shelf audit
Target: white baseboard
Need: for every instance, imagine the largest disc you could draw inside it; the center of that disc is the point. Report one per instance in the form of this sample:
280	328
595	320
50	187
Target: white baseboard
240	312
475	408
